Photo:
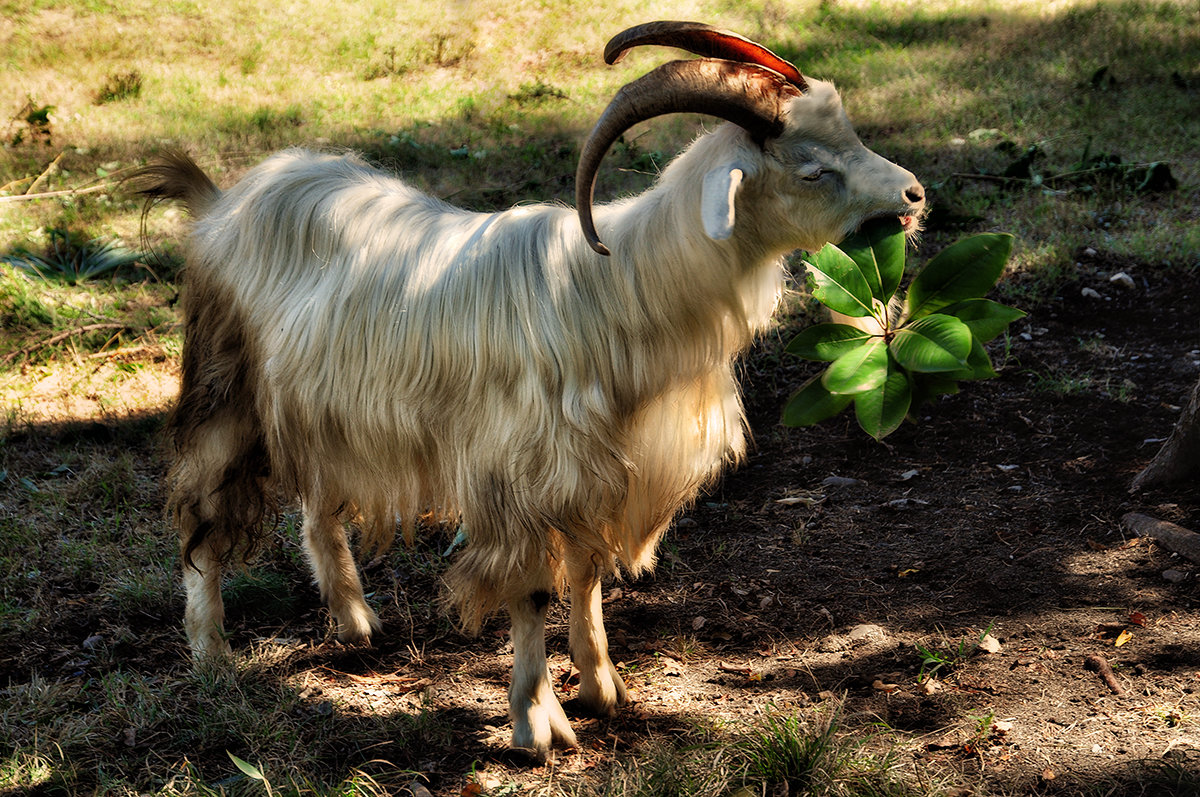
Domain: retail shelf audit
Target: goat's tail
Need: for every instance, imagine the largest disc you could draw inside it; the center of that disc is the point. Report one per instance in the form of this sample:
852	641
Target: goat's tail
173	175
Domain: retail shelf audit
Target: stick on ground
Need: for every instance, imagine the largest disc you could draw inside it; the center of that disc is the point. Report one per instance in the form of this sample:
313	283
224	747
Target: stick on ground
1184	542
1099	665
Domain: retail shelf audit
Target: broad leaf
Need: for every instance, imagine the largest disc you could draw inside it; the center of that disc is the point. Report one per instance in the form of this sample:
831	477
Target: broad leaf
881	411
964	270
878	249
812	403
933	344
862	368
827	342
836	282
978	366
986	318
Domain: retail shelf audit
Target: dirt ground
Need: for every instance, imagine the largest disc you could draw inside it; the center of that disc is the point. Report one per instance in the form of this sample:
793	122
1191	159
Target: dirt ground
822	567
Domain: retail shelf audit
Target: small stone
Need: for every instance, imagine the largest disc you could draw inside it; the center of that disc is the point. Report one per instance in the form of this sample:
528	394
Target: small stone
1174	576
1122	279
840	481
1090	293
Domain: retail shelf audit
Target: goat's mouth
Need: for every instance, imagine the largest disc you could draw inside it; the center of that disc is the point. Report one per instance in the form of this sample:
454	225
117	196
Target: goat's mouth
910	223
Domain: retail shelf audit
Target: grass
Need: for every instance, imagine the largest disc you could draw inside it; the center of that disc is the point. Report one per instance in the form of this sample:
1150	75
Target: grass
484	105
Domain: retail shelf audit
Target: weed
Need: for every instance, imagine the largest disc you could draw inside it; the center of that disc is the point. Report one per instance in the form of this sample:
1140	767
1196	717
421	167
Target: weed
119	86
949	655
71	257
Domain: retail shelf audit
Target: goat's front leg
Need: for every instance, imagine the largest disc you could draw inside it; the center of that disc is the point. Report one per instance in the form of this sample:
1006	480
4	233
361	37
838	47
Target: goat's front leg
601	689
333	565
538	718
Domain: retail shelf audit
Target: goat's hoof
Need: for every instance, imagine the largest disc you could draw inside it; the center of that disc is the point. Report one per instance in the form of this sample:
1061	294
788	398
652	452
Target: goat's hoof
358	626
603	695
211	649
541	729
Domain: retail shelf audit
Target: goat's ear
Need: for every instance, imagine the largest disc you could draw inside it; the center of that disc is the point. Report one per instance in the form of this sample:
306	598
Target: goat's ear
717	200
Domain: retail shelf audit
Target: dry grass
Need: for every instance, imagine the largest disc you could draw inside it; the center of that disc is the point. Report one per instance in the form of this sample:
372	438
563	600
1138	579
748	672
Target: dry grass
483	103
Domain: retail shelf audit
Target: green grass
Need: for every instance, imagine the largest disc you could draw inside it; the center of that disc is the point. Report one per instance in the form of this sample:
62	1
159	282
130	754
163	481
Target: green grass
484	105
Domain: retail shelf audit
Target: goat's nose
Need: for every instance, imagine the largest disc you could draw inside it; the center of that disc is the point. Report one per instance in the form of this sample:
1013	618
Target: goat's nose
915	193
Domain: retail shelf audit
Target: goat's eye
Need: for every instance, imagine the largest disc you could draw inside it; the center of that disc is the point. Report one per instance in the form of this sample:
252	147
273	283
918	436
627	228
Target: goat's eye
812	175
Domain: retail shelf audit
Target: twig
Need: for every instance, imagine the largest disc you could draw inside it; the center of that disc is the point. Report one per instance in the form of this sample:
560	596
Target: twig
1184	542
50	341
1098	665
45	173
66	192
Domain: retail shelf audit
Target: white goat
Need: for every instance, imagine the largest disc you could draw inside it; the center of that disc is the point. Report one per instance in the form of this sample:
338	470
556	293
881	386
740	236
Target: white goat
381	354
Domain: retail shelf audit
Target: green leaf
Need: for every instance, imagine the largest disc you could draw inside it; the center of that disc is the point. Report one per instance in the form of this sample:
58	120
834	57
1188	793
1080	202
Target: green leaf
836	282
826	342
966	269
248	769
929	386
978	365
881	411
932	344
812	403
878	250
862	368
986	318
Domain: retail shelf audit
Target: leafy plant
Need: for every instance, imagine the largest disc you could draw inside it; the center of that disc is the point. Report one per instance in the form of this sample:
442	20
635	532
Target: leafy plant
119	86
71	258
900	353
950	655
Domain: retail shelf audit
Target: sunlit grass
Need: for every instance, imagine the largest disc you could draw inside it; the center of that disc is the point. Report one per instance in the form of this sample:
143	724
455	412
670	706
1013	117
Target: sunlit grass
485	104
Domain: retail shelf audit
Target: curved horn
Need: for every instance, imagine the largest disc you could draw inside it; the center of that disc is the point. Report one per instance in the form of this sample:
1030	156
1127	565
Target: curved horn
701	39
747	95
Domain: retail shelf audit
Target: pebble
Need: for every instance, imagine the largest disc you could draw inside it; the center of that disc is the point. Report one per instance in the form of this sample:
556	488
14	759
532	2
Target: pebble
1122	279
1174	576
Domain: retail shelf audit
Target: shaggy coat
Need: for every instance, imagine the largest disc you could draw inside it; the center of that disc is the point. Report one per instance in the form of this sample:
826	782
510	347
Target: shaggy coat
382	355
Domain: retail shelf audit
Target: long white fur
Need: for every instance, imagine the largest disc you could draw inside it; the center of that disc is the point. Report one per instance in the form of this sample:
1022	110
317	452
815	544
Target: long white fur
490	367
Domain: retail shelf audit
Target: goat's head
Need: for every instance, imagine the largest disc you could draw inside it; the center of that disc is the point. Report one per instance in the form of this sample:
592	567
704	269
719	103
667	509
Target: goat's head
815	180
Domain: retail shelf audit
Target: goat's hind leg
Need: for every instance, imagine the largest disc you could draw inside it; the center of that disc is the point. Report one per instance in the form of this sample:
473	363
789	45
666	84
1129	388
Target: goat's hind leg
601	688
204	617
195	503
337	576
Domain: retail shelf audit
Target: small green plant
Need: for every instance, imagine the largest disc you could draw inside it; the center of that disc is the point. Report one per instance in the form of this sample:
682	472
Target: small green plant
948	656
119	86
901	353
73	258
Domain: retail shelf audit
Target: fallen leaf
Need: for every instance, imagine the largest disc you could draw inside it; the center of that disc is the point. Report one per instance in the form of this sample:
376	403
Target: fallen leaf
1048	774
1138	619
1001	727
472	789
880	686
698	622
931	686
989	644
1123	637
670	666
805	500
737	669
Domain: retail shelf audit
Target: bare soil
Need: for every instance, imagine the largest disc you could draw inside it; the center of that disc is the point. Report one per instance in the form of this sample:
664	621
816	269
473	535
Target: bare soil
821	568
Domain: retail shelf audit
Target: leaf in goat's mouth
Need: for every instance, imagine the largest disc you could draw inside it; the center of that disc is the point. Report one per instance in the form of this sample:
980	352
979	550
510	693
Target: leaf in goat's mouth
882	226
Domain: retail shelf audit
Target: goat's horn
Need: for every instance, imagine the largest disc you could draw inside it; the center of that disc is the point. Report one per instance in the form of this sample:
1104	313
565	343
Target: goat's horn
745	94
701	39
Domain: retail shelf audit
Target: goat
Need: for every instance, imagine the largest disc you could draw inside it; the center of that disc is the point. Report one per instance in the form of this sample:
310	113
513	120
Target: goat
379	353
